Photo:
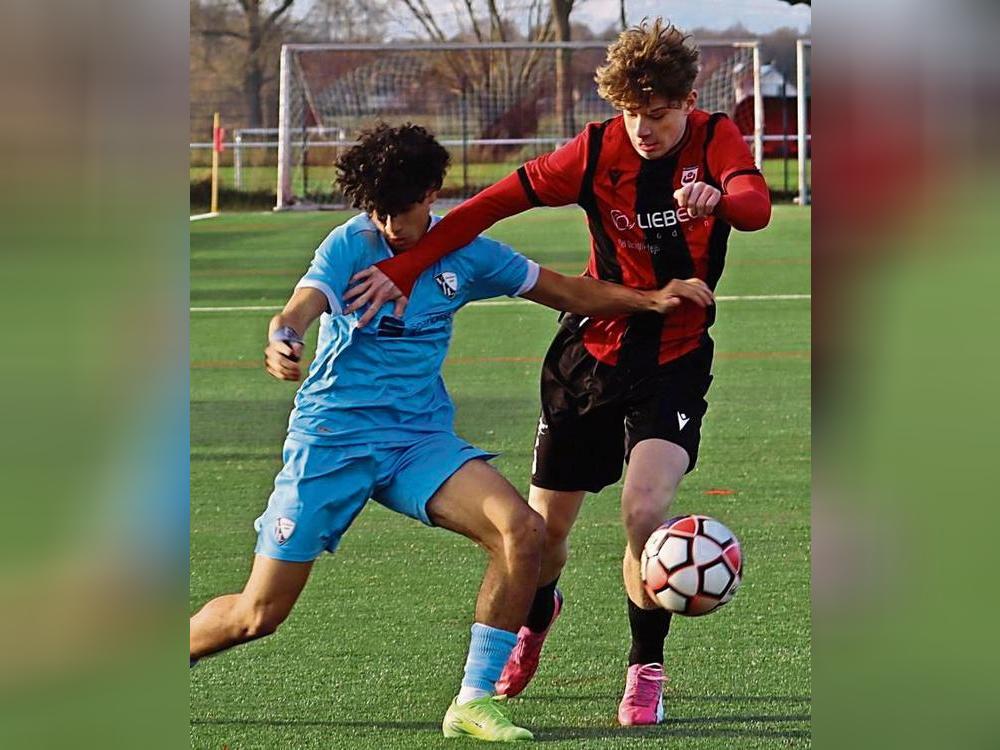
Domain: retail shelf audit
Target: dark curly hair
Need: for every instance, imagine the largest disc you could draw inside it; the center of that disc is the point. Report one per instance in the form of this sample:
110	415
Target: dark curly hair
391	168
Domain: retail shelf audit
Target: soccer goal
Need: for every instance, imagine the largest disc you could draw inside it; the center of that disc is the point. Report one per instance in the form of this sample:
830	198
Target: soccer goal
803	67
493	106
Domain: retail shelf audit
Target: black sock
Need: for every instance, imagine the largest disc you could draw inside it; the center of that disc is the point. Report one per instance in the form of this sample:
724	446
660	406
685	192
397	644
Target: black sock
542	608
649	630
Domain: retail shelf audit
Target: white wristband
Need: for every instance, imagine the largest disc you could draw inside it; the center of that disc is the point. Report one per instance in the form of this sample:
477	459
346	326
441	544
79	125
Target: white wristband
286	334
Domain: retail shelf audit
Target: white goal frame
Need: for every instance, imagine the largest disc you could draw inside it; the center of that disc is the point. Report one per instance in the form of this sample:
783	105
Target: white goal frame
285	197
804	138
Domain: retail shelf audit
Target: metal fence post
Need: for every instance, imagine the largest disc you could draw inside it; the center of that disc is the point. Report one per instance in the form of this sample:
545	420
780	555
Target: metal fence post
237	160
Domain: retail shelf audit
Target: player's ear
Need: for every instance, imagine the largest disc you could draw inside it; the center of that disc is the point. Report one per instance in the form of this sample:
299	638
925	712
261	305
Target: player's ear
690	101
432	195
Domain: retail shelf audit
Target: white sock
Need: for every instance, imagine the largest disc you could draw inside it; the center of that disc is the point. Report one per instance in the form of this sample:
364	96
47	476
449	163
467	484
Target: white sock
467	694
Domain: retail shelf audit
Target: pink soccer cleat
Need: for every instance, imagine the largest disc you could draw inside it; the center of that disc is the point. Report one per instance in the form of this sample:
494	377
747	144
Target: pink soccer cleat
643	700
523	661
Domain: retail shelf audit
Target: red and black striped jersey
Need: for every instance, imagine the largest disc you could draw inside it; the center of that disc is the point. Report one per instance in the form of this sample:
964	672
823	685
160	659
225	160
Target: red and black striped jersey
639	237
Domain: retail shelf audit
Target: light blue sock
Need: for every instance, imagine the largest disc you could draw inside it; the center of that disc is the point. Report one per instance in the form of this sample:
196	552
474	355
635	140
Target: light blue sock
489	650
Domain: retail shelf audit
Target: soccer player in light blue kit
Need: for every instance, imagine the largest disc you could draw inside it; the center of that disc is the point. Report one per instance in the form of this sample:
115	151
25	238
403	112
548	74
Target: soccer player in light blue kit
373	419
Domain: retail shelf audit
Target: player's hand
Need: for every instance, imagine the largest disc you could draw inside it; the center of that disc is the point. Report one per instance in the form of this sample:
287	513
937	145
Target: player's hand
695	290
373	288
699	198
281	360
664	302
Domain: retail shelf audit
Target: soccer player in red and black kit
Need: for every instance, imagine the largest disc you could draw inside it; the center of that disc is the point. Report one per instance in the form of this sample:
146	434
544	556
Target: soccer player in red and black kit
662	185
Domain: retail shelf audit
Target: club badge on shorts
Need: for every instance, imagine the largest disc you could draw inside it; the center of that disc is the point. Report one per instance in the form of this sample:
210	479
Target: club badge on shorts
283	529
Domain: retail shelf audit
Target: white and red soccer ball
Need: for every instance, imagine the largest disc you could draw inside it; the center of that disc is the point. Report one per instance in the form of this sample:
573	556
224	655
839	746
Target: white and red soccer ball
692	565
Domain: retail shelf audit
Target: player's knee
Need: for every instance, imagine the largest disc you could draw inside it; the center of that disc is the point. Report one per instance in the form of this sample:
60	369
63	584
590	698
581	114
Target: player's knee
555	545
557	531
523	532
640	520
262	619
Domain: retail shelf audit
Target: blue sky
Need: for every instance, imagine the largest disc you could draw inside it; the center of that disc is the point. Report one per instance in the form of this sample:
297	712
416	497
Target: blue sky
759	16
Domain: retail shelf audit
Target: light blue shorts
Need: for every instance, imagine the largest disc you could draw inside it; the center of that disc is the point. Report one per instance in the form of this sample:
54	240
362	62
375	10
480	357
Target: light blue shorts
322	488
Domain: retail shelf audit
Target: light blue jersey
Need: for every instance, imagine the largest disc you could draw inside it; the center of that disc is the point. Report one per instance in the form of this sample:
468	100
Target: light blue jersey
373	418
383	382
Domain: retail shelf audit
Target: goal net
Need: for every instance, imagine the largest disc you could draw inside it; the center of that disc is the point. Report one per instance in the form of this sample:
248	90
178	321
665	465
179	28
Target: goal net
493	106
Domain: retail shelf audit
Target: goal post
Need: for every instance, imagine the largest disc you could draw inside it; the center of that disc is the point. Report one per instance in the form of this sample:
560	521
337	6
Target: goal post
493	105
803	56
284	192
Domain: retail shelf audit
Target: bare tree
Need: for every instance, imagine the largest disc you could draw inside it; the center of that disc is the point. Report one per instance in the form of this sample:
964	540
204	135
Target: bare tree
260	22
501	83
564	62
347	20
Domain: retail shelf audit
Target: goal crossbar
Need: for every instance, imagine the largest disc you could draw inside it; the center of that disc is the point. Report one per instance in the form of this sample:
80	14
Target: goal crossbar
369	90
467	46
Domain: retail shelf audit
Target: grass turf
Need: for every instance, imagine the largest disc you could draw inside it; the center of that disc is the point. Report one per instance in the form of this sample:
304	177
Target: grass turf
374	650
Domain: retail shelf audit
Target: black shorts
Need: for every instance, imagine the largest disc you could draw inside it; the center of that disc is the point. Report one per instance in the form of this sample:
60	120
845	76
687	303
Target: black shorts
594	414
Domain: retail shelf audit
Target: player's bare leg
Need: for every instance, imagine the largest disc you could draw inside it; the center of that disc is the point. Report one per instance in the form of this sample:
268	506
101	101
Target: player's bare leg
655	470
480	504
265	602
559	510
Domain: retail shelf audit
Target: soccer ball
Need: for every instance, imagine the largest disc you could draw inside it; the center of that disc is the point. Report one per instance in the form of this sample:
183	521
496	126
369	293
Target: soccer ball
692	565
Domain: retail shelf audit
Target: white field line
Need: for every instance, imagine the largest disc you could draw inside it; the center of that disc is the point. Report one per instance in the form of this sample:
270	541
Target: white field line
199	217
505	302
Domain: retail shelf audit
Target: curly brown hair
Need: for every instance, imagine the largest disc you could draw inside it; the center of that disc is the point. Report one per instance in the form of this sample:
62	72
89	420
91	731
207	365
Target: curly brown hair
646	61
392	168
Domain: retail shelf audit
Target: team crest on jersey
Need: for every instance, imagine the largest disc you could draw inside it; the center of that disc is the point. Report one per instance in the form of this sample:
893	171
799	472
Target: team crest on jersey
283	529
448	283
689	175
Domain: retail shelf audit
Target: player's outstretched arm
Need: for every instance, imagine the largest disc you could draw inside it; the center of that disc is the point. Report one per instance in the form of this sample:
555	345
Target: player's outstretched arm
394	278
287	330
585	296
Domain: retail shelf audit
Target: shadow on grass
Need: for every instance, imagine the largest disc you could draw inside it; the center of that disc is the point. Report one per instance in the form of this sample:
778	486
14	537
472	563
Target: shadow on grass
689	727
733	726
671	698
418	726
667	729
741	698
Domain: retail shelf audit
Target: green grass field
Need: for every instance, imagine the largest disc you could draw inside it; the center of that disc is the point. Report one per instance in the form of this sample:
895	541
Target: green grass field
374	650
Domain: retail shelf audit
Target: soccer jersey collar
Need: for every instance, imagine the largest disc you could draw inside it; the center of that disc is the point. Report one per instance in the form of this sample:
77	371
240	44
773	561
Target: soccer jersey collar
367	225
682	142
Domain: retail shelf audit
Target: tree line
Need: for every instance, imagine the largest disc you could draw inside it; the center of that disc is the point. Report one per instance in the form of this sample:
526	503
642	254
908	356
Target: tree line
235	44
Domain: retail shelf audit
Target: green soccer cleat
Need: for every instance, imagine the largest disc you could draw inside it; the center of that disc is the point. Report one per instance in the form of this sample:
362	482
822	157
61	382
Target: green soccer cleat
482	719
